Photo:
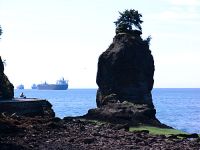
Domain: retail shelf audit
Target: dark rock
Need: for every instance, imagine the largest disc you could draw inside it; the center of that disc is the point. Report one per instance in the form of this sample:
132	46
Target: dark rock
6	88
123	113
5	146
88	140
194	135
56	119
125	71
121	126
143	131
68	119
82	128
125	80
54	125
9	127
27	107
71	140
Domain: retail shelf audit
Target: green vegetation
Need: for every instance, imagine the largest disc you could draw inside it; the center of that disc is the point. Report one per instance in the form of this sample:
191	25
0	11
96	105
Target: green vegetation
152	130
127	19
157	131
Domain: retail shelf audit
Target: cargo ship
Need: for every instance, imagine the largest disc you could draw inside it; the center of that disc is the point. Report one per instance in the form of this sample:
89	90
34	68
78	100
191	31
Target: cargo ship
60	85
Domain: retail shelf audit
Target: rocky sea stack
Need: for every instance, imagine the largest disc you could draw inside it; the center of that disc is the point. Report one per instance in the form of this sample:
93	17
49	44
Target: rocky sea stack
6	87
125	78
125	71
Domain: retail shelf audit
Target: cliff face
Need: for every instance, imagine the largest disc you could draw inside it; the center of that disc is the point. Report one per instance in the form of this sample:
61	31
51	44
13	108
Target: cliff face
6	88
125	71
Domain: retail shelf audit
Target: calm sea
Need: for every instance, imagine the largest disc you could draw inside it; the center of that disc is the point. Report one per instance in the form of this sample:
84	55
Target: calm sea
179	108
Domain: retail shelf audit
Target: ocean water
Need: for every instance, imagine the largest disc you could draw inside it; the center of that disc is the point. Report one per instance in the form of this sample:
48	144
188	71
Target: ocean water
179	108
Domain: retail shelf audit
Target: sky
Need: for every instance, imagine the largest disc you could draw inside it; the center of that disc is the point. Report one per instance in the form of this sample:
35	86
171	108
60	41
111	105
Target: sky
44	40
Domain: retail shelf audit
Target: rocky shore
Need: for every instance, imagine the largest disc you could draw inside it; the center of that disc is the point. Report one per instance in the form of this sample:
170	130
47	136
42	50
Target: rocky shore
23	133
125	80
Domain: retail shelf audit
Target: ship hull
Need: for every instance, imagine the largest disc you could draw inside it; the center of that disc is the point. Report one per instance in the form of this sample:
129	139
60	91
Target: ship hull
52	87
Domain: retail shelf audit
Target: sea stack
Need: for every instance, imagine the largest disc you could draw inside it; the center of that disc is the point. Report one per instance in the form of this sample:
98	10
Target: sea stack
6	87
125	71
125	79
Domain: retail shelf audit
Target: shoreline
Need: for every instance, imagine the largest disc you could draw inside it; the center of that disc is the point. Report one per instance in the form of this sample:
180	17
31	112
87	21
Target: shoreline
76	133
159	101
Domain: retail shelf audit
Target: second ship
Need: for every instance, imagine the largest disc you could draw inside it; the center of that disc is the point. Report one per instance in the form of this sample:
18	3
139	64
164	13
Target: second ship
60	85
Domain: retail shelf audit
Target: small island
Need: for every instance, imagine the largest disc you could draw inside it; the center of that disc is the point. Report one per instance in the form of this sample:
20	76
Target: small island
125	117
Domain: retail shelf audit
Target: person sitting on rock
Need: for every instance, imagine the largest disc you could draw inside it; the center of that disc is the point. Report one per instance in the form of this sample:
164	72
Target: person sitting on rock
22	95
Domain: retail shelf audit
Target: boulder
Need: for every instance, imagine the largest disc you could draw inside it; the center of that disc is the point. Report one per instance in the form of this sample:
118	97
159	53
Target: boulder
6	87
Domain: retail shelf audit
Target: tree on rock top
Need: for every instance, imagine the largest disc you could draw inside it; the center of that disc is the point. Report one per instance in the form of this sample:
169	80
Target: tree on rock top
127	19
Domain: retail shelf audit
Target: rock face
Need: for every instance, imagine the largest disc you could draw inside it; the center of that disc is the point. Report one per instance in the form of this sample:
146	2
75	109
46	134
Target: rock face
6	88
125	80
125	71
